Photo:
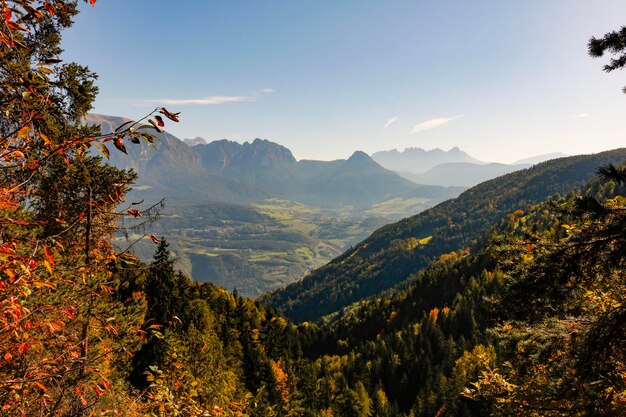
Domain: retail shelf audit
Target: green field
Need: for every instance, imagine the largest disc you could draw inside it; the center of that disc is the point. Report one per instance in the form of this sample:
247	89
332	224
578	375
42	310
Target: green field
260	248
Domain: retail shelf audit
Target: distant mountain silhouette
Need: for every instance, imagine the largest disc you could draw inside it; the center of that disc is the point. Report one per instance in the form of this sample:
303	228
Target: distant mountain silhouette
417	160
462	173
195	141
540	158
229	171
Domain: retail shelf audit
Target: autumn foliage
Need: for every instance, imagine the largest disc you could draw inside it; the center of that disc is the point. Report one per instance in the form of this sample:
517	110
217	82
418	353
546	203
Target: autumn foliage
60	338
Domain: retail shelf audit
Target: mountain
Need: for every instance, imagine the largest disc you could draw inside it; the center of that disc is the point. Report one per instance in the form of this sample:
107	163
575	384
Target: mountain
416	160
248	172
464	174
195	141
171	169
249	215
540	158
357	181
396	251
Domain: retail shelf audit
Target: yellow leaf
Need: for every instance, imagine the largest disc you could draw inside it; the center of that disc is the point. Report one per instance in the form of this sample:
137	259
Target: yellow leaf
425	240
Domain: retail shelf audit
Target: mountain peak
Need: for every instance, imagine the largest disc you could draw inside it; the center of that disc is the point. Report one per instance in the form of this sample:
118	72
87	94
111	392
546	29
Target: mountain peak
418	160
195	141
359	161
360	156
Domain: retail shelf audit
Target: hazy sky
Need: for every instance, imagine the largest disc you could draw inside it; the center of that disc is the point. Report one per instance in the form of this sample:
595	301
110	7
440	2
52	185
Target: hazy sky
500	79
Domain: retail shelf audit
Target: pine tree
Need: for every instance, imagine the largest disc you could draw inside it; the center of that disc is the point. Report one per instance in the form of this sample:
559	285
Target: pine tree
613	42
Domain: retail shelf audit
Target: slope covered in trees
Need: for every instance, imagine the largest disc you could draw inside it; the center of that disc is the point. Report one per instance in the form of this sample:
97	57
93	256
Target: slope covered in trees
528	325
395	251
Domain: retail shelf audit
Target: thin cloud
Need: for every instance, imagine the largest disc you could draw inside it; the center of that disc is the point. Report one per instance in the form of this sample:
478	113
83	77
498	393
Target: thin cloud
581	115
390	122
203	101
433	123
267	90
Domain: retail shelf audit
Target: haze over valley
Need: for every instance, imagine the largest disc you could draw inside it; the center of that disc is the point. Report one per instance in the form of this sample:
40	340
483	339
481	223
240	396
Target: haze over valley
250	216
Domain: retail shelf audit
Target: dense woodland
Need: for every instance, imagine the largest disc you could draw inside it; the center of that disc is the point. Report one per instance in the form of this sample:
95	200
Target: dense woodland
506	301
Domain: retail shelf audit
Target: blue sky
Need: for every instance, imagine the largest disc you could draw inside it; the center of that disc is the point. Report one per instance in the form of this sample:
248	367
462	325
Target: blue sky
502	80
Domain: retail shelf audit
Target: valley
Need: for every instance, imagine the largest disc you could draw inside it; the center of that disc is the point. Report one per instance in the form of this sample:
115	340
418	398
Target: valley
250	216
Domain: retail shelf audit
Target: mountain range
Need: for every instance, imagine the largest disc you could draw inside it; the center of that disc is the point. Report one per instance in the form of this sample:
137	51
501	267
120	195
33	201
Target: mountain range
449	168
229	171
420	160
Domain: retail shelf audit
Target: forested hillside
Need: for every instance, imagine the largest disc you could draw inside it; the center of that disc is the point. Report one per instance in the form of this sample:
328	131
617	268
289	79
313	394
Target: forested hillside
528	325
395	251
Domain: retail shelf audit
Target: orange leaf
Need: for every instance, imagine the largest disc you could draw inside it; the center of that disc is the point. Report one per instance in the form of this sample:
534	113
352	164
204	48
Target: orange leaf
41	386
80	395
23	348
11	274
23	132
8	357
106	383
45	138
50	8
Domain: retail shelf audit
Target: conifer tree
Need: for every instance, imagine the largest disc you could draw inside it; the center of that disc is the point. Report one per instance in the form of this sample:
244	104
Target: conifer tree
613	42
63	335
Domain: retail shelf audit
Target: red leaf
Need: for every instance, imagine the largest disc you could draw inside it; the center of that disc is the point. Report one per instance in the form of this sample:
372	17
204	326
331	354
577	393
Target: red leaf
50	8
172	116
119	144
23	348
106	383
156	126
159	120
154	239
134	212
48	255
